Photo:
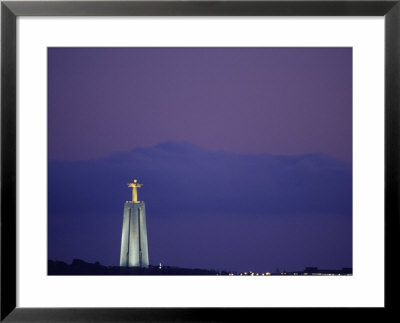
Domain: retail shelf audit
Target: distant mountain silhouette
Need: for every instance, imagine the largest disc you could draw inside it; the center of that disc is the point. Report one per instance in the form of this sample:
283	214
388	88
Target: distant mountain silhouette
179	177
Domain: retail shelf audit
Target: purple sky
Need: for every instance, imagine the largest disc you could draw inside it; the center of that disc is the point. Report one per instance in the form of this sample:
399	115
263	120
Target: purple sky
244	100
245	154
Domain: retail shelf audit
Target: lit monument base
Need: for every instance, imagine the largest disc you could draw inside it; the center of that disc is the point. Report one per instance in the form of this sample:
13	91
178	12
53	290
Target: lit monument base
134	249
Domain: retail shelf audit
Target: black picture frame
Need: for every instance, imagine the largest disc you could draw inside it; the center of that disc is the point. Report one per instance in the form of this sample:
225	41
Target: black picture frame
10	10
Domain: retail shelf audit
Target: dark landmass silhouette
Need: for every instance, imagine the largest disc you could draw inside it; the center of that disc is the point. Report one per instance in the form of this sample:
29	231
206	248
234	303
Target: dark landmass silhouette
79	267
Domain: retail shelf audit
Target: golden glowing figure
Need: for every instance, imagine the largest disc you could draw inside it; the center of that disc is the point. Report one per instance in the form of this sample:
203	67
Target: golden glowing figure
134	186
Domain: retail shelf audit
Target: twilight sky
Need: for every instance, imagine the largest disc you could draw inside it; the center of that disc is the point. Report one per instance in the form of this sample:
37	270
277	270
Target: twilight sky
245	154
244	100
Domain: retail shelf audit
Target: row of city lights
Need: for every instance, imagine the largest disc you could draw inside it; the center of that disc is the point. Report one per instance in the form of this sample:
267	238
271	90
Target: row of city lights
284	273
250	273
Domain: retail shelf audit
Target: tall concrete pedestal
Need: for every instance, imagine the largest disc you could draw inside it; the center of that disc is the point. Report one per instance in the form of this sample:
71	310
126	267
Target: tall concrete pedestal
134	248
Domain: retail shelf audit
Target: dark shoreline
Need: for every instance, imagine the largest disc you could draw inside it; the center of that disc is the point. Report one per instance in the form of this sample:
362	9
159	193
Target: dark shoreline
79	267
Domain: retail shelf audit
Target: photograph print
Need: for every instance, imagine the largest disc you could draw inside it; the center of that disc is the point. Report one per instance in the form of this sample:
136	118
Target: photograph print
200	161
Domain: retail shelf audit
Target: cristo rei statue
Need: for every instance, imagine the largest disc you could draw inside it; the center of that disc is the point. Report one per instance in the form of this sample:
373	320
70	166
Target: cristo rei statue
134	248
